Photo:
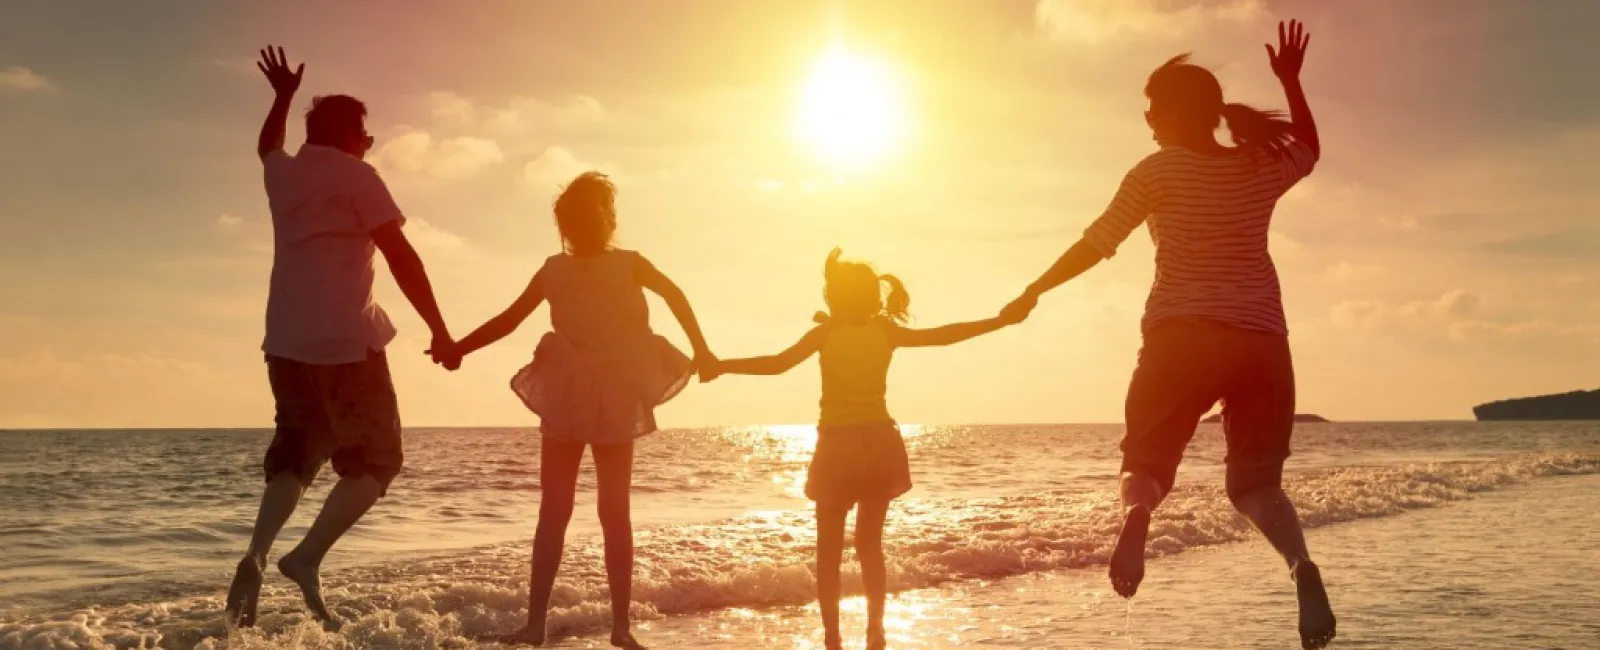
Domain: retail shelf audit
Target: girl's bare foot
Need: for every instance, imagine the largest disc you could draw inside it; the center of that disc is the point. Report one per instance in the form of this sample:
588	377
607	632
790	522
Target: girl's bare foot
876	639
833	641
626	641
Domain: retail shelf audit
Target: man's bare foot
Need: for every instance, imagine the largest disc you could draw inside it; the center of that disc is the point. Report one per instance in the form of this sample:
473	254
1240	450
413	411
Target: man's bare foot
243	593
530	634
1317	624
625	640
305	575
1127	561
876	639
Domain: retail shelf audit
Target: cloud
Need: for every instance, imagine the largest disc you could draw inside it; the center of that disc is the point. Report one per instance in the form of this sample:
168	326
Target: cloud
451	108
1347	272
1359	314
229	221
1568	244
525	113
21	79
416	152
553	168
429	237
1455	304
1093	22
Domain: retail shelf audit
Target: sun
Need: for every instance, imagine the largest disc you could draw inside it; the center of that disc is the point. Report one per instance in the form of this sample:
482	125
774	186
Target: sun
852	111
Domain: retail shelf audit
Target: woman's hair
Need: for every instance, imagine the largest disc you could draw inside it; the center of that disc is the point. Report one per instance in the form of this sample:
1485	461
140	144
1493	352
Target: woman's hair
853	289
586	213
1189	96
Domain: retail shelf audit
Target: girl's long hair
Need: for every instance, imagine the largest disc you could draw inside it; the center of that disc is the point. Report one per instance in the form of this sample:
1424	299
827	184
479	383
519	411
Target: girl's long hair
1189	94
854	289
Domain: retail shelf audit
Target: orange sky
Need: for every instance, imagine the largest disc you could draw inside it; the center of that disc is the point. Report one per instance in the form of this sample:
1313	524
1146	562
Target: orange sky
1443	254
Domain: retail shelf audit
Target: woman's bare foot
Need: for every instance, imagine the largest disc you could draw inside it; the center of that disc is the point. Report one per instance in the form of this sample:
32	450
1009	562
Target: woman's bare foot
530	634
305	575
244	592
876	639
625	640
1127	561
1317	624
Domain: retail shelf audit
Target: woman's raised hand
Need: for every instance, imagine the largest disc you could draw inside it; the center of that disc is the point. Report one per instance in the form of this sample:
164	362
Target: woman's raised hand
1291	52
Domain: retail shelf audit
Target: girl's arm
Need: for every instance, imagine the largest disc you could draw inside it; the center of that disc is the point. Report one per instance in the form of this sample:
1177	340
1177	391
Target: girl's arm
496	328
653	279
1286	62
905	337
771	365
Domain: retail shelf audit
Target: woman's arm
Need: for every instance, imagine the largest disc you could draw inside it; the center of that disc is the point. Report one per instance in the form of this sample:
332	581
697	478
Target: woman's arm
653	279
905	337
777	364
1286	62
1081	257
496	328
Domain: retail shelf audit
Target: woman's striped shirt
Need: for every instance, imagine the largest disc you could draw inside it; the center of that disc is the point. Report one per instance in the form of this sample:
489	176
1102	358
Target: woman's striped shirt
1208	218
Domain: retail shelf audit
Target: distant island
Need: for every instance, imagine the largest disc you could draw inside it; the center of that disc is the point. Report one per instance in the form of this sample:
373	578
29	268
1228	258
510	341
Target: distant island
1576	405
1298	417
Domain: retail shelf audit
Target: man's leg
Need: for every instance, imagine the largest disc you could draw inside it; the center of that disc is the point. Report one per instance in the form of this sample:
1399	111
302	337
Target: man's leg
292	461
346	504
365	415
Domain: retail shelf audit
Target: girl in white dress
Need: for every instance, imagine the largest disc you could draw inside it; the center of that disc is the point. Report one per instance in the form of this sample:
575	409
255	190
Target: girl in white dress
594	381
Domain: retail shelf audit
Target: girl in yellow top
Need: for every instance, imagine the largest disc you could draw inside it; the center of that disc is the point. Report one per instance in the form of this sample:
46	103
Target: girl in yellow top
860	457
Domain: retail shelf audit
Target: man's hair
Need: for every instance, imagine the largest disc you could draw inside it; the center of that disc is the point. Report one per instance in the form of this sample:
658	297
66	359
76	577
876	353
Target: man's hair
334	118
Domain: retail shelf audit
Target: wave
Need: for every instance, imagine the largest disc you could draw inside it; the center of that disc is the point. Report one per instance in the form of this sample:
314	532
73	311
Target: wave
761	560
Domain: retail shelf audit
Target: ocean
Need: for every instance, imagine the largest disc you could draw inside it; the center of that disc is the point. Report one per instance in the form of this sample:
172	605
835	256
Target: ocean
1431	535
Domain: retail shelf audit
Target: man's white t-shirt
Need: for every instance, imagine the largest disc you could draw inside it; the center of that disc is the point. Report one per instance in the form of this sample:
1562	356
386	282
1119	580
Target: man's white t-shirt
325	204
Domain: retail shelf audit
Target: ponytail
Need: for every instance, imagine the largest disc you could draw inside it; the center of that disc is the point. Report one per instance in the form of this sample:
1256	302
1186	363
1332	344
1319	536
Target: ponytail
1257	129
855	288
897	306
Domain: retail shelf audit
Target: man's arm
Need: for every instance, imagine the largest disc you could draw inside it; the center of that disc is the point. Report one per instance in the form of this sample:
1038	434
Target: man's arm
284	85
408	272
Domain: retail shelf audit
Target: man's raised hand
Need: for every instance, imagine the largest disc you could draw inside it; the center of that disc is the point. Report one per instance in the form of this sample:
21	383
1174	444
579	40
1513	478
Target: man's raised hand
275	66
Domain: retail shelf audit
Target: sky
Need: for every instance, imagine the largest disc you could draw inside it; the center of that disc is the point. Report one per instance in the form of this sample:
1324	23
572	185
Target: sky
1444	253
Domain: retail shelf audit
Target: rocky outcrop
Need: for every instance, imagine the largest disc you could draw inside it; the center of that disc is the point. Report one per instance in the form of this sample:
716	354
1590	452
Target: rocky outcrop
1576	405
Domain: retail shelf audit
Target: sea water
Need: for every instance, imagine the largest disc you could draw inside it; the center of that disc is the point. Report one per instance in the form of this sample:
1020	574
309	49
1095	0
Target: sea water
128	538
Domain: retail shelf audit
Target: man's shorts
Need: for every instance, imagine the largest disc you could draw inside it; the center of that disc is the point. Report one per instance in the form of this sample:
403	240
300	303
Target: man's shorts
344	412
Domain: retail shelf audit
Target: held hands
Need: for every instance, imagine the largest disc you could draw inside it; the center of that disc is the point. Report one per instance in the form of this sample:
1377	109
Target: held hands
276	68
1291	52
1019	309
445	352
707	366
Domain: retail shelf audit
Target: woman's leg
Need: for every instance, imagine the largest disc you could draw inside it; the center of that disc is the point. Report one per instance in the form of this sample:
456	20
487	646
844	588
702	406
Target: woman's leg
1175	382
870	516
558	483
614	467
1259	422
830	550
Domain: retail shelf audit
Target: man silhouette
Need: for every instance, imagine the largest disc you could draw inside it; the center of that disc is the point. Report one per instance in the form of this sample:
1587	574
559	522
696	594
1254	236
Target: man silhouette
325	336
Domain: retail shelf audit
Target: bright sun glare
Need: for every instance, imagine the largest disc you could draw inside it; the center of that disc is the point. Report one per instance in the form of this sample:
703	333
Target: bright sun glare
851	110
